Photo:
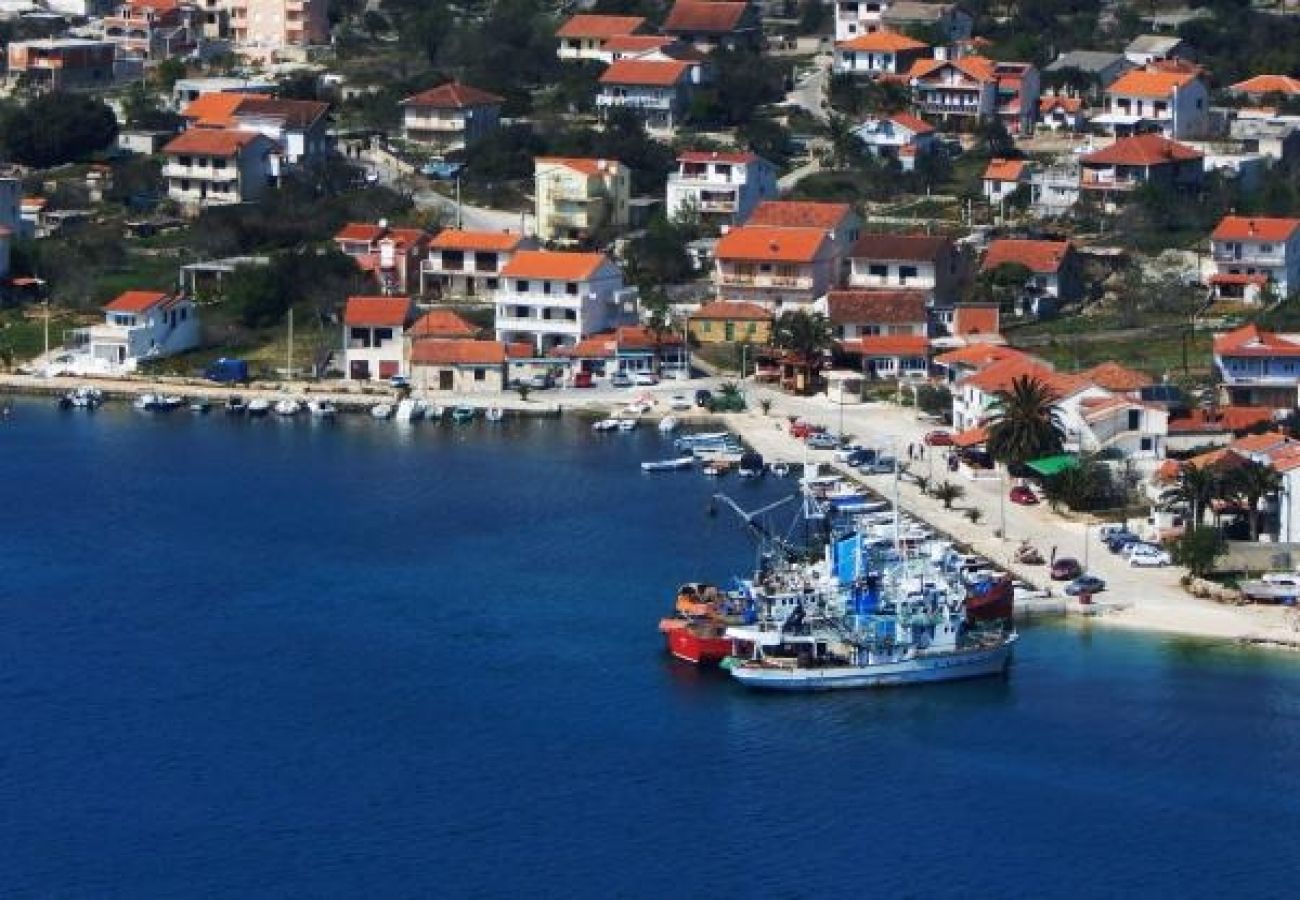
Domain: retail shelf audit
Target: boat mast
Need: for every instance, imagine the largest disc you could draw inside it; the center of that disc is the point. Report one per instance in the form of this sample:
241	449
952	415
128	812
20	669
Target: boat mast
288	351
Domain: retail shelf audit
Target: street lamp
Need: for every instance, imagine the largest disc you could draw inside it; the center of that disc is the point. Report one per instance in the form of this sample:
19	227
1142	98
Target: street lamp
1086	527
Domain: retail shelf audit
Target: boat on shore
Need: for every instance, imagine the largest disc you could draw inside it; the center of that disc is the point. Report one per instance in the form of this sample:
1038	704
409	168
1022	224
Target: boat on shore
668	465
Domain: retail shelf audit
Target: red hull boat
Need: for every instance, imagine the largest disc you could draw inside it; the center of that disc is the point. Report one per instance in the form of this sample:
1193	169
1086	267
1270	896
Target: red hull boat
991	600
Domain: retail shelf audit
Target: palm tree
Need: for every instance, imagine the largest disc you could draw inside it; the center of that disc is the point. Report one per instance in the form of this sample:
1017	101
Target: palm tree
948	493
1026	424
806	335
1253	482
1196	487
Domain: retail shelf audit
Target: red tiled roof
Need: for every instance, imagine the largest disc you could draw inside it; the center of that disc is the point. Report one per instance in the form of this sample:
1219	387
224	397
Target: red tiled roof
1142	150
405	238
970	319
905	247
876	345
595	346
799	214
999	377
1149	83
1268	84
1260	443
979	355
1228	418
213	142
216	109
1004	170
655	73
639	337
1114	377
360	231
724	310
457	239
592	25
1248	340
1069	104
911	123
458	353
442	323
554	266
590	166
773	244
705	16
1258	228
136	301
294	113
1238	278
971	437
453	95
876	307
883	40
1038	256
383	311
975	67
636	43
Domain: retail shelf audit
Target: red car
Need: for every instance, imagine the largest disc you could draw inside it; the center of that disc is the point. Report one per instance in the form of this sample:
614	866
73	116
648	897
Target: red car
939	439
1066	569
1023	495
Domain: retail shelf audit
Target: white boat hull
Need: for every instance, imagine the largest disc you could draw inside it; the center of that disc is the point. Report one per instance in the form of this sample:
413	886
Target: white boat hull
974	663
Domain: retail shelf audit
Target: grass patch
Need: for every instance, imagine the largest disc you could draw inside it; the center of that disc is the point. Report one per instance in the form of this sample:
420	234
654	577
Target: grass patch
1153	354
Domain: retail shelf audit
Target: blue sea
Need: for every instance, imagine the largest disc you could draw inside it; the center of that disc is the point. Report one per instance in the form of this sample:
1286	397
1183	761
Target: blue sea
293	659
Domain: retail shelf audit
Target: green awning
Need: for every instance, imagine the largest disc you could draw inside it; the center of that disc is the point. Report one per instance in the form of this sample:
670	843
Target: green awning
1054	465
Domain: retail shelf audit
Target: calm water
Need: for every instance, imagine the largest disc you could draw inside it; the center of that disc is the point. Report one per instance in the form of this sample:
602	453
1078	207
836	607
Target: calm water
270	659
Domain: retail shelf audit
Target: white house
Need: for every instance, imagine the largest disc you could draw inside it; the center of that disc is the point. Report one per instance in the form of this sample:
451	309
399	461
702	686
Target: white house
583	36
878	53
1175	103
776	268
211	167
658	91
900	136
374	337
888	330
855	17
1250	253
468	264
1003	177
553	299
923	263
1146	49
720	187
450	116
138	326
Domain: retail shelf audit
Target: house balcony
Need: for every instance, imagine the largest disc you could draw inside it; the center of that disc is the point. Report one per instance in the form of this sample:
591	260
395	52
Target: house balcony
703	180
1247	257
1234	379
430	267
613	100
200	173
797	282
954	106
538	324
1095	181
447	126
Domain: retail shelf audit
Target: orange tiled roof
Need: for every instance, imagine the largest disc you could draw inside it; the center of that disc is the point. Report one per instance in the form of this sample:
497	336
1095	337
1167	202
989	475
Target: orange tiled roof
213	141
294	113
971	437
876	307
705	16
639	337
458	239
1114	377
911	123
458	353
655	73
1245	228
216	110
360	231
1142	150
1004	170
442	323
453	95
592	25
1268	84
384	311
1249	340
979	355
883	41
799	214
723	310
975	67
1037	256
888	345
636	43
1148	83
1069	104
136	301
554	266
587	166
976	318
772	244
1260	443
1239	278
999	377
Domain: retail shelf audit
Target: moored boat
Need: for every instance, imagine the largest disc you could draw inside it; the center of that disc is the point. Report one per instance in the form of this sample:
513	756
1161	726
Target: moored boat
702	642
668	465
200	405
258	407
235	405
463	414
381	411
627	424
409	410
668	424
322	409
494	414
287	407
604	425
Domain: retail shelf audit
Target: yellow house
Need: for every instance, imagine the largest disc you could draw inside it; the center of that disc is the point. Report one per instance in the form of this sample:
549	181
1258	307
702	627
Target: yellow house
576	196
724	321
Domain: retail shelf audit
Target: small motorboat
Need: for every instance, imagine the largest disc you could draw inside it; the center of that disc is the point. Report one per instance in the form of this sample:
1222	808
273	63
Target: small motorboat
259	407
168	402
381	411
780	469
715	469
64	401
494	414
201	406
288	407
86	397
463	414
751	466
627	424
409	410
605	425
147	402
668	424
322	409
668	465
235	405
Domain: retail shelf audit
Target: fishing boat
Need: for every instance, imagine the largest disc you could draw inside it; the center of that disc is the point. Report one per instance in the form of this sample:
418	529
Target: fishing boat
668	424
147	403
751	466
322	409
627	424
780	469
494	414
287	407
381	411
605	425
235	405
258	407
168	402
668	465
463	414
991	599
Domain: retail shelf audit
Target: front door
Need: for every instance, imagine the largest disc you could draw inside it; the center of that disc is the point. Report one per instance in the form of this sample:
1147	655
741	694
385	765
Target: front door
359	370
446	380
730	329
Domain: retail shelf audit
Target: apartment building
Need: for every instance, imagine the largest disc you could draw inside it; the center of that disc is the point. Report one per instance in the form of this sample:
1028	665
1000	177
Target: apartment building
721	187
575	197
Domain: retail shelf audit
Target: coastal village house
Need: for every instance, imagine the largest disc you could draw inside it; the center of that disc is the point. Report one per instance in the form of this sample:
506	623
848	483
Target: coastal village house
657	91
300	128
886	331
584	36
837	221
374	337
1175	104
723	321
713	24
550	299
972	88
1053	267
1113	172
152	29
776	268
575	198
213	167
1003	177
900	136
630	349
1261	86
878	53
1259	368
1146	49
1251	254
926	264
61	64
450	116
463	365
721	187
271	30
1061	112
855	17
947	20
392	255
138	326
1102	66
441	324
467	265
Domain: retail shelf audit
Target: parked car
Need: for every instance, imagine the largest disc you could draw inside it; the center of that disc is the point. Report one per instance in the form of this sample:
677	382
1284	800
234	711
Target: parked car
845	453
679	402
823	440
1024	495
1066	568
1147	555
860	457
539	382
938	438
1085	584
801	429
1120	541
703	398
882	465
645	379
620	380
583	380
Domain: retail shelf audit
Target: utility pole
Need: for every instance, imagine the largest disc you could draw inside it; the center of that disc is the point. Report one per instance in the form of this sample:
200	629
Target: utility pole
288	350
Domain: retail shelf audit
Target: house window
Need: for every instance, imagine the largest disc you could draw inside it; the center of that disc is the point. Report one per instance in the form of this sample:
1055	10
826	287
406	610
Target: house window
877	271
1265	248
480	374
571	288
521	286
361	337
906	272
383	336
1134	419
706	327
546	288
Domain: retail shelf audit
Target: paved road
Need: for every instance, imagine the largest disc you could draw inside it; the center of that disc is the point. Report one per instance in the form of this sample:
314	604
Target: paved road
810	91
472	218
